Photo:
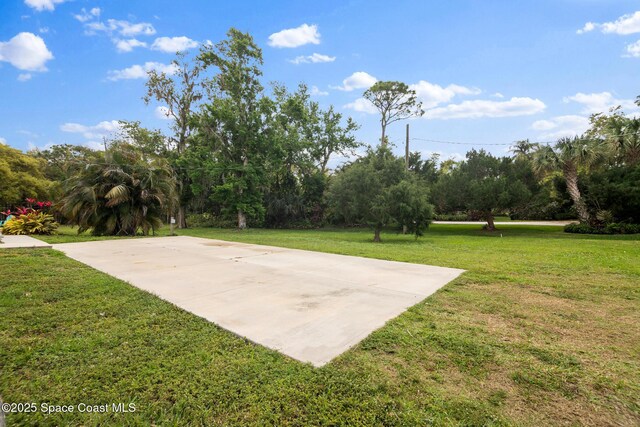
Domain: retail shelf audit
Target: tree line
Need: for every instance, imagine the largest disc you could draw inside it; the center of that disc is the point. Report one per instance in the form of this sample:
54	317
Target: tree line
244	155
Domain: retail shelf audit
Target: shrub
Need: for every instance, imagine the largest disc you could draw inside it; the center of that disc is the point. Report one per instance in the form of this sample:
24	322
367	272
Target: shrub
209	220
579	228
613	228
32	222
618	190
121	193
451	217
621	228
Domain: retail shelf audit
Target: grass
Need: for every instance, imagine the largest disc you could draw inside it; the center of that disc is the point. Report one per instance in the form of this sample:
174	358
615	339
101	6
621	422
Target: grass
541	330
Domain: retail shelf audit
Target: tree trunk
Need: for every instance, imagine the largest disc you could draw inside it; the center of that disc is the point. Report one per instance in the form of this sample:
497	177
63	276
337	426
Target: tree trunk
490	224
571	178
242	217
405	229
242	220
182	217
376	234
383	141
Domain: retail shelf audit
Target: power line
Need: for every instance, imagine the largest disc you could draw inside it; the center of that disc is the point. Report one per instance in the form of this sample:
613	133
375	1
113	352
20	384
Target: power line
438	141
472	143
454	142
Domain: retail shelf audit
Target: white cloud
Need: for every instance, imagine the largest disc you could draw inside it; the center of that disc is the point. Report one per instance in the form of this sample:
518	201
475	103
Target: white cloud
362	105
41	5
140	71
433	95
99	131
484	108
127	45
589	26
633	50
561	126
599	102
26	51
498	95
173	44
124	28
43	30
24	77
162	112
294	37
2	140
357	80
85	15
317	92
626	24
315	58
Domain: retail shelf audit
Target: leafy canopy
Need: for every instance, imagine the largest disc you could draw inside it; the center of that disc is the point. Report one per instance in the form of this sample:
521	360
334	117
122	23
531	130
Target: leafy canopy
121	193
21	176
378	190
395	101
481	183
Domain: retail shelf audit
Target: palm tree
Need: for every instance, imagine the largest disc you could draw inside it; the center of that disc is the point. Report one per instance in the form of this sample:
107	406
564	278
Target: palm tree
568	155
624	137
620	133
523	149
121	193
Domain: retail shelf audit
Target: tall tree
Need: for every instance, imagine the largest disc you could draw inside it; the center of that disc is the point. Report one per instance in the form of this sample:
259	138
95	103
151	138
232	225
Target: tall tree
523	149
21	176
150	142
568	155
303	139
425	169
395	101
620	133
482	184
232	122
330	136
378	190
180	93
63	161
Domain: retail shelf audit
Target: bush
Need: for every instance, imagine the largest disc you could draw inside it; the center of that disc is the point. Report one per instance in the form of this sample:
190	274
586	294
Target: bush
451	217
616	189
613	228
210	220
549	212
121	193
31	223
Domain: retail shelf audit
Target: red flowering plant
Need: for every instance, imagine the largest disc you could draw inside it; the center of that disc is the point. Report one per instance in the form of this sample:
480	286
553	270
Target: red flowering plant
33	205
30	219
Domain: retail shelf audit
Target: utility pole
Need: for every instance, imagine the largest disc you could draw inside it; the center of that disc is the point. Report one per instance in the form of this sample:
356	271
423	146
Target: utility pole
406	150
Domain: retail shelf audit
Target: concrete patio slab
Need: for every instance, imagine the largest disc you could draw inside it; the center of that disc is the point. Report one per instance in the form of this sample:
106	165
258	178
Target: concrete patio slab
17	242
311	306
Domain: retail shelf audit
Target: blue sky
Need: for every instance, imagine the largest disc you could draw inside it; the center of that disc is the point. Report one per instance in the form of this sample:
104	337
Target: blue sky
490	72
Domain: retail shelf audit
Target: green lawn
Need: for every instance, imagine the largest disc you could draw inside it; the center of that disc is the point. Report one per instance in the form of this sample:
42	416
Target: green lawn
543	329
